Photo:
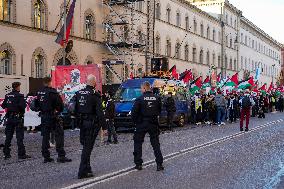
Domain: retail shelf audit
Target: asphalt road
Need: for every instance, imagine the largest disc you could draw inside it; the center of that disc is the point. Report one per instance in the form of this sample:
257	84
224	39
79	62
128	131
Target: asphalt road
201	158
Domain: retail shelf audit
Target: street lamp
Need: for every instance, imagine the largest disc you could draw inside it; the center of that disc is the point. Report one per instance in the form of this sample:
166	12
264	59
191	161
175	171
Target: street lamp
273	66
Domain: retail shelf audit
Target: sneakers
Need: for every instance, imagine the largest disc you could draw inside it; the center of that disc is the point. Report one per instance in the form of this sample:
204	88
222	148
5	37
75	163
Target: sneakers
88	175
7	156
160	168
246	130
24	157
63	160
223	123
138	167
241	129
48	160
1	145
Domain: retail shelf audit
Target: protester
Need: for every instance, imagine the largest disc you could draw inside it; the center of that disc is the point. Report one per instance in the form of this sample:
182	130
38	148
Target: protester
171	110
221	106
109	115
232	107
246	102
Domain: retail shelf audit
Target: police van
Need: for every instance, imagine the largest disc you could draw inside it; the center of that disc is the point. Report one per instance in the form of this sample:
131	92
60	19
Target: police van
131	89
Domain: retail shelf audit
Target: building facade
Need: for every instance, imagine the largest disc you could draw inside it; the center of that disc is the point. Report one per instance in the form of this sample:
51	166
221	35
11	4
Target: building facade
196	35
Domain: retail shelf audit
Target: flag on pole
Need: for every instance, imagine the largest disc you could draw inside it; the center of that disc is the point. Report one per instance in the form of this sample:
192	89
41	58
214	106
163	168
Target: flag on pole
173	71
263	88
233	82
196	85
206	82
270	87
245	84
69	22
186	76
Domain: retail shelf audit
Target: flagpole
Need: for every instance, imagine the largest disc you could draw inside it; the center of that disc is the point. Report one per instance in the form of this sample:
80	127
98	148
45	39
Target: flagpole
64	36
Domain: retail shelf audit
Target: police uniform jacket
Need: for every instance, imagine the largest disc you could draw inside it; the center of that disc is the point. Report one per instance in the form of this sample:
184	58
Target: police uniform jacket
14	102
146	107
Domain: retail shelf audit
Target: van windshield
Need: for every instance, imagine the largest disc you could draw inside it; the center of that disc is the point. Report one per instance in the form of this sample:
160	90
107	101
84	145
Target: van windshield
127	94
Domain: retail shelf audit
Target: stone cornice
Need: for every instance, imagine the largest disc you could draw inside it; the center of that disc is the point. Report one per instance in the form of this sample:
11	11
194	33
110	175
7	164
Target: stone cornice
45	32
248	23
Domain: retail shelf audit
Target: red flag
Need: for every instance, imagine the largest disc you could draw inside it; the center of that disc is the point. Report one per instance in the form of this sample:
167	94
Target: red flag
198	82
263	88
131	75
188	77
207	80
250	81
69	22
235	79
173	70
219	78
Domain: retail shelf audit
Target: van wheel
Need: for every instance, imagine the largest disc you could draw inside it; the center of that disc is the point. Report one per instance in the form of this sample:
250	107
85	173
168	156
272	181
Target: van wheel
181	120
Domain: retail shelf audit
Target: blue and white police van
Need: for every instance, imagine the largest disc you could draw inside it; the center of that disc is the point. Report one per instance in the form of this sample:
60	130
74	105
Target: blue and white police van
131	89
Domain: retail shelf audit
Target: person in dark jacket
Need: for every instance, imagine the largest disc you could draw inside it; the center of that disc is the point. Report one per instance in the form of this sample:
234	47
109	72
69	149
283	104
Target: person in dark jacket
110	114
145	115
280	103
171	110
261	104
232	107
50	106
15	104
88	109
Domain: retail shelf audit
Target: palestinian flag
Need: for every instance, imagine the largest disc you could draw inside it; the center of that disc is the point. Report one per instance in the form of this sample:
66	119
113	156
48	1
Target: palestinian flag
186	76
206	83
233	82
245	84
219	76
270	87
173	71
195	85
263	88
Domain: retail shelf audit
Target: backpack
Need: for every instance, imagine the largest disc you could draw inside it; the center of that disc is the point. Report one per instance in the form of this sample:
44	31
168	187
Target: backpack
246	103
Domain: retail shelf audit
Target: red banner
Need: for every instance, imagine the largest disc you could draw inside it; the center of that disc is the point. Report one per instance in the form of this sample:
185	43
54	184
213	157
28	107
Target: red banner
70	79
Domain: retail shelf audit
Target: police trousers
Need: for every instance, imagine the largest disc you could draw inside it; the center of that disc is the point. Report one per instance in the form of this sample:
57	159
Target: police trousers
13	124
48	125
88	134
139	136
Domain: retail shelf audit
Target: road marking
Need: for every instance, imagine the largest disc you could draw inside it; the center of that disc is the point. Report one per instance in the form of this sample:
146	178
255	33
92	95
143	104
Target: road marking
110	176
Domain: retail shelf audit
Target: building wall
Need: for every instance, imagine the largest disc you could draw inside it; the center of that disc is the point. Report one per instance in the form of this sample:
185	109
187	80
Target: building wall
24	41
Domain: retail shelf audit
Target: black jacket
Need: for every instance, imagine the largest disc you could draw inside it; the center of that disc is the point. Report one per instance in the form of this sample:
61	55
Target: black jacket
14	102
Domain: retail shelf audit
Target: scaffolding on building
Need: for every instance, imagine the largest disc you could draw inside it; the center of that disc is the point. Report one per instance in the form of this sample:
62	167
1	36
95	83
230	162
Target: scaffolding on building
121	38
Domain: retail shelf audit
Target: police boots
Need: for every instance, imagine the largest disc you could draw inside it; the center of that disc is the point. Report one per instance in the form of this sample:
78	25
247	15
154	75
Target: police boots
24	157
63	160
160	167
138	167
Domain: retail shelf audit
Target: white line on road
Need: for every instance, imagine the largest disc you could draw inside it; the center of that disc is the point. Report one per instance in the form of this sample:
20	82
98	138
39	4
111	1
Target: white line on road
110	176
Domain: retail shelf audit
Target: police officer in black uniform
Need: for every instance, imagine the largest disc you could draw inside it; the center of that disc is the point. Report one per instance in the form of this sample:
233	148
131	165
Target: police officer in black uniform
15	104
88	109
145	114
50	106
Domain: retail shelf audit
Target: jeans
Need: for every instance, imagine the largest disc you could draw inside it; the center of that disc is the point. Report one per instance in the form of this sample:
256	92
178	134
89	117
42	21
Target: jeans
220	114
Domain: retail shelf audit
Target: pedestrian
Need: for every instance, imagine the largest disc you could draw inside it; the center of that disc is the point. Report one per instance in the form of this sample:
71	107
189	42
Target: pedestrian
261	105
50	105
232	107
110	115
145	113
221	107
246	102
280	103
89	111
198	108
15	104
171	110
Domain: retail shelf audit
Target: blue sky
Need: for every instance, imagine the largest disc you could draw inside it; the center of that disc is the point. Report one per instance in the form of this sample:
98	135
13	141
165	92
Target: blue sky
266	14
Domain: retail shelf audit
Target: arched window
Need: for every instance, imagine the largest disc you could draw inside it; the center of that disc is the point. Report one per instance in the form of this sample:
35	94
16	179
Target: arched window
201	57
140	36
201	30
5	10
231	42
168	48
213	59
39	66
208	32
125	32
89	27
168	14
6	63
186	52
208	58
178	19
187	23
39	14
214	35
194	52
177	50
219	61
158	11
158	41
195	26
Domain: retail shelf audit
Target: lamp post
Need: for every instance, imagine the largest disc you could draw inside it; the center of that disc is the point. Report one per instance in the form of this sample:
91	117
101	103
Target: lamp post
273	66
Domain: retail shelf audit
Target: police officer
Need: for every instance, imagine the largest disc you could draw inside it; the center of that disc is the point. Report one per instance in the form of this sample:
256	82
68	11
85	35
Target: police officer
50	105
145	114
88	109
171	109
15	104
